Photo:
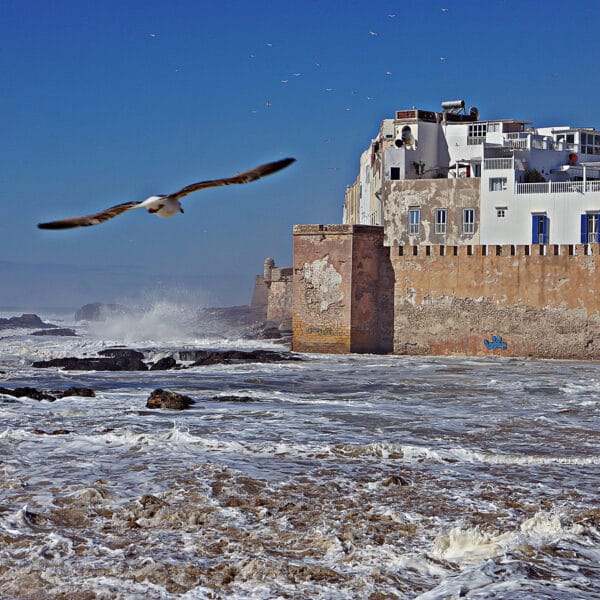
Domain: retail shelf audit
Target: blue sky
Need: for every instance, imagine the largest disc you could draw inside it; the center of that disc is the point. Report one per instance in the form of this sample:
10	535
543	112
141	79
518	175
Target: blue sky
106	102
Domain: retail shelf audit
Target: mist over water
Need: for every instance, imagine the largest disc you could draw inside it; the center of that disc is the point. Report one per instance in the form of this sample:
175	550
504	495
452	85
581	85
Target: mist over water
336	476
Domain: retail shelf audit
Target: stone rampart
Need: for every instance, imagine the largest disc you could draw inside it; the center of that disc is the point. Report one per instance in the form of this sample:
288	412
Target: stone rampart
513	300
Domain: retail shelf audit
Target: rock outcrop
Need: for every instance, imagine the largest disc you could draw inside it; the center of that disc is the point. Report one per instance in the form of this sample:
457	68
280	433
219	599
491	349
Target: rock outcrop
35	394
171	400
98	311
25	321
60	331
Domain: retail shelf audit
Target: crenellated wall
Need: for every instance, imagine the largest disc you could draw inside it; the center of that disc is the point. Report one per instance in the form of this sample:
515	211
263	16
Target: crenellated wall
352	294
511	300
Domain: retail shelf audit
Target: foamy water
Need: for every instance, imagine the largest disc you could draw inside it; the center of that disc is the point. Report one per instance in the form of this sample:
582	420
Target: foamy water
346	477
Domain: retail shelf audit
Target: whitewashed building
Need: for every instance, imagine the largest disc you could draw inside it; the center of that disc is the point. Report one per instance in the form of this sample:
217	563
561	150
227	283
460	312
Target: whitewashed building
449	177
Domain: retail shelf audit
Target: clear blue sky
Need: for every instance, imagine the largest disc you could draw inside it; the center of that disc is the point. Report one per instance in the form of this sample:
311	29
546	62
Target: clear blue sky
106	102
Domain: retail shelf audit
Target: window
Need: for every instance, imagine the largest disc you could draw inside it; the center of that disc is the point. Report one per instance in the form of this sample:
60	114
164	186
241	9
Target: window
539	229
395	173
501	212
590	228
414	218
477	130
468	221
497	184
440	220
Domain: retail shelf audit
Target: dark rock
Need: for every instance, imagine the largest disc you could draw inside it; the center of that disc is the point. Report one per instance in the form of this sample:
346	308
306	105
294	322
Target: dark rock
60	432
39	432
62	331
76	391
172	400
26	320
27	392
98	311
71	363
213	357
163	364
235	399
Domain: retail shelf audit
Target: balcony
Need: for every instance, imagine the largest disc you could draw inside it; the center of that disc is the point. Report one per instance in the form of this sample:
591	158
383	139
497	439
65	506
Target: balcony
558	187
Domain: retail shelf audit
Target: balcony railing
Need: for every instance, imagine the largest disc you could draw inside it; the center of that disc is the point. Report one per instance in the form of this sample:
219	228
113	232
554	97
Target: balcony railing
498	163
557	187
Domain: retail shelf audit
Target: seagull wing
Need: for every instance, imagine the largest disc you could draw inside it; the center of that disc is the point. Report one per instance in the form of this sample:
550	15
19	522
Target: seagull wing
88	220
245	177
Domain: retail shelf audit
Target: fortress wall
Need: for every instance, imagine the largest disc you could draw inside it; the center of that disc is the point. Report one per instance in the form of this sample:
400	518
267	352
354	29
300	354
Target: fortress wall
342	290
279	306
541	301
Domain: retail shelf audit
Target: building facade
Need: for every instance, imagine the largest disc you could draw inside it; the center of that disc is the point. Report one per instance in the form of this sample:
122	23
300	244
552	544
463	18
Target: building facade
449	177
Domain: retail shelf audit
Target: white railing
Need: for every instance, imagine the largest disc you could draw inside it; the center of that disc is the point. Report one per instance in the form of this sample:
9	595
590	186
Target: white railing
557	187
498	163
516	144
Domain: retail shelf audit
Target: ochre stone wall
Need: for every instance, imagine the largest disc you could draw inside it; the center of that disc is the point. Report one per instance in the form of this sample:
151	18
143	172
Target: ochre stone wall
342	290
541	301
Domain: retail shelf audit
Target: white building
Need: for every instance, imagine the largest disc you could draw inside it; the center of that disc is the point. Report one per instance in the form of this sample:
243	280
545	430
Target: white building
451	178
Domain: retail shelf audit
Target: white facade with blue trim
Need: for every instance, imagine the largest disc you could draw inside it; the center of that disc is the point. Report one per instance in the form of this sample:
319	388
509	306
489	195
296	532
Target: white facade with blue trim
536	185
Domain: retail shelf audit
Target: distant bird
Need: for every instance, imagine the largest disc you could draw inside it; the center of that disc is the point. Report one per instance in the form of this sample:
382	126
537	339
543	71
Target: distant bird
152	34
388	73
329	89
369	97
392	15
442	58
373	33
268	104
444	10
296	74
168	205
284	80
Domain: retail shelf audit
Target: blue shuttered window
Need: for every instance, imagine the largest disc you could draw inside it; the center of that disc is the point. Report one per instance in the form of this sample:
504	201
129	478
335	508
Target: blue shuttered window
539	229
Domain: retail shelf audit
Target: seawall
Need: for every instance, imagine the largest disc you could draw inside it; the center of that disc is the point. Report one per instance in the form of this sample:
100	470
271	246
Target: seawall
353	294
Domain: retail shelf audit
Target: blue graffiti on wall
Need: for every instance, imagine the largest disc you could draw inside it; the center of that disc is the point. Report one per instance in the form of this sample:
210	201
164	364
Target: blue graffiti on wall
495	344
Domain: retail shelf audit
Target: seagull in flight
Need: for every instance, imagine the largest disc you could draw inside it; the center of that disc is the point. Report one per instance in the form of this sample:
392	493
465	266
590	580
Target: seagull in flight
168	205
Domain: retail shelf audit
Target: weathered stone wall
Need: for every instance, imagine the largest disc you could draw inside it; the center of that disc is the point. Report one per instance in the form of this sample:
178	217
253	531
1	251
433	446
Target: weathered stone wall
428	195
342	300
540	301
279	306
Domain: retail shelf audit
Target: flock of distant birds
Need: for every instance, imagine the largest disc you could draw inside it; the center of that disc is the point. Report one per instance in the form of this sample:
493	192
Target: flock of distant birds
372	33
